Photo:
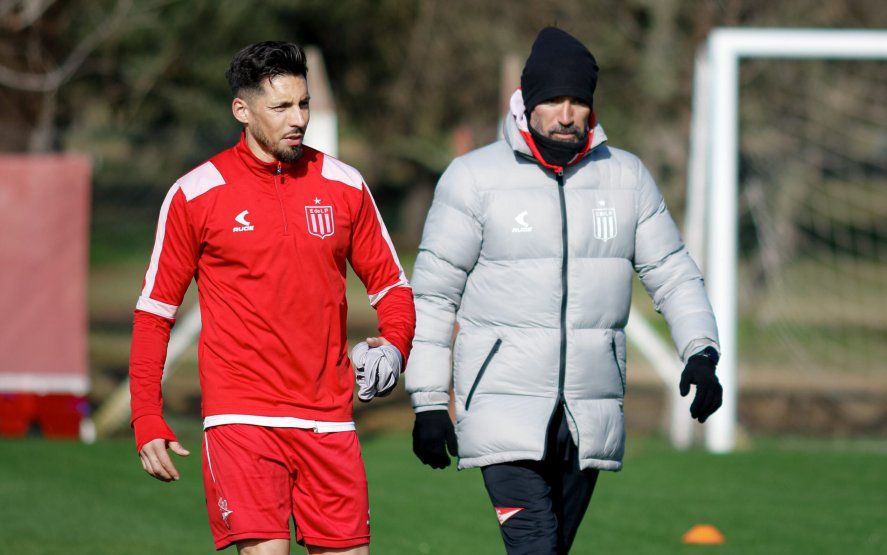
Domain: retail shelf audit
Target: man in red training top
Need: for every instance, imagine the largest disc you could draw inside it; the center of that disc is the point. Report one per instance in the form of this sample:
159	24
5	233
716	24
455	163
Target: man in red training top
265	228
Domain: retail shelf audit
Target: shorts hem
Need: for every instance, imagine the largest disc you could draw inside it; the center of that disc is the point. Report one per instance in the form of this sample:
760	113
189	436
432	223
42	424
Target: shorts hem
317	541
228	540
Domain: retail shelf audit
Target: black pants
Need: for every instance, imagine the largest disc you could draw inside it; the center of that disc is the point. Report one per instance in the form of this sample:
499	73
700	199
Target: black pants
541	503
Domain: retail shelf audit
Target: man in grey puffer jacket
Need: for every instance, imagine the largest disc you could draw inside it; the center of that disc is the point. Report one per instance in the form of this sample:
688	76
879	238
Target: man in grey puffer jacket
530	244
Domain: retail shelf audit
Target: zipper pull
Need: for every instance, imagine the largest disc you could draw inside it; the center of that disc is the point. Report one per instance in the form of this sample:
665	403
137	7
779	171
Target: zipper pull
279	169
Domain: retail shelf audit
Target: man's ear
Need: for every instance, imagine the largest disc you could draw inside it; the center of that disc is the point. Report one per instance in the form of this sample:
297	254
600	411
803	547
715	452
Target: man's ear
240	109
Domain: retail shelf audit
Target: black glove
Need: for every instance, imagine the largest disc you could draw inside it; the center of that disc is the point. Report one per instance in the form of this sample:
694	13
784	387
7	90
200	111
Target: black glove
433	434
700	370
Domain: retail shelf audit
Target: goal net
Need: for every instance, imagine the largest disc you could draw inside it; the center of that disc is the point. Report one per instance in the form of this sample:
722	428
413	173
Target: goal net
812	282
787	202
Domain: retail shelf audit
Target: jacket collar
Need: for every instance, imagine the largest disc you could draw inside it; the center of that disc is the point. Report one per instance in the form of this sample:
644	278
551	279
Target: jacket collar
257	166
517	134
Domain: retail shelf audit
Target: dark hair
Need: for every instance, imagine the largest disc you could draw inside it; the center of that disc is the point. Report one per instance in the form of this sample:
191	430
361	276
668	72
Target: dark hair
264	60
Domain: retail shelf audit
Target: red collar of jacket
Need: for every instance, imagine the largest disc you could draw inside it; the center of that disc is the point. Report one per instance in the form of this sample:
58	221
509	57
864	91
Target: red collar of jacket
260	167
528	138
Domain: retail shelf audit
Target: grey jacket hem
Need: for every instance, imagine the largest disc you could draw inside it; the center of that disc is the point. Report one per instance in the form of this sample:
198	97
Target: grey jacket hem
496	458
600	464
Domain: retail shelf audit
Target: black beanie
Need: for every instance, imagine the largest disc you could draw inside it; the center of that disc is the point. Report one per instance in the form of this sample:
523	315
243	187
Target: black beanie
559	65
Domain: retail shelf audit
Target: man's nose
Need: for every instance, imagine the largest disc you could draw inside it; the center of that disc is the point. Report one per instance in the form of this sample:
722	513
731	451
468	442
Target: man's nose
298	118
565	114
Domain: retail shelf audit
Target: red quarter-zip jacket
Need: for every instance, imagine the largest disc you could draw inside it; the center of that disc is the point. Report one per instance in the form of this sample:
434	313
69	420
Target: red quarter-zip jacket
267	245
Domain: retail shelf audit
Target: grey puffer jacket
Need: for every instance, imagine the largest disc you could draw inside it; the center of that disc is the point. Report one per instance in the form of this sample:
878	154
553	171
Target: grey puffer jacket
536	268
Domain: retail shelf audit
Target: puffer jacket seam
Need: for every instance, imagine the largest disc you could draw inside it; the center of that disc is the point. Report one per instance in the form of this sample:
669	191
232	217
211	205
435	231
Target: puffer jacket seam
515	394
684	315
475	190
452	206
666	290
426	342
660	262
543	327
638	189
572	257
522	259
445	260
533	327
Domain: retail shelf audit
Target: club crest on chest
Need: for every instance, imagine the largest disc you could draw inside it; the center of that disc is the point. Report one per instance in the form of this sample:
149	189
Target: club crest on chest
320	221
604	218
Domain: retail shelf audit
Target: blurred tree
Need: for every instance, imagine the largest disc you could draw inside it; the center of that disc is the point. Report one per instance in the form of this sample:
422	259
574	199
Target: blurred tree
54	42
140	85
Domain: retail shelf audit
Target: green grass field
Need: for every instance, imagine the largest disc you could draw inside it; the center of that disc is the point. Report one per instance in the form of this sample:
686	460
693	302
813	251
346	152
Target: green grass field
780	496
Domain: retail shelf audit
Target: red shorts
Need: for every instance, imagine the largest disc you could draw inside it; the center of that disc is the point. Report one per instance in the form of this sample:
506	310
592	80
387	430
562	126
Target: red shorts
257	477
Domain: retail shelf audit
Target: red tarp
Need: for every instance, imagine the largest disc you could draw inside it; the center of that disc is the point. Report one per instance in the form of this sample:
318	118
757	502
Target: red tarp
44	230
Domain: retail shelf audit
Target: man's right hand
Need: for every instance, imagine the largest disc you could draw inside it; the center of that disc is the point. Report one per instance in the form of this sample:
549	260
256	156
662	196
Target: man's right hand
377	365
433	435
156	461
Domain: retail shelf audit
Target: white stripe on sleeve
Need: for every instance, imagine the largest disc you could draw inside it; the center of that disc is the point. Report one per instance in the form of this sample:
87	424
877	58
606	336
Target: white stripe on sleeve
156	307
151	275
376	297
402	280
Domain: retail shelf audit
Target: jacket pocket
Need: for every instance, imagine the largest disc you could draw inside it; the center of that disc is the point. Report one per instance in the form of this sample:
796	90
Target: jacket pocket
616	360
480	373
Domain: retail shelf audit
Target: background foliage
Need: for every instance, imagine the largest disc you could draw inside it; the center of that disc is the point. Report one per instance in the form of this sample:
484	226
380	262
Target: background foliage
139	84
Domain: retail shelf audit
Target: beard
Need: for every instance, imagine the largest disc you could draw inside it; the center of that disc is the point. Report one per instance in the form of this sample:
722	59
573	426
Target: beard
282	154
579	134
558	151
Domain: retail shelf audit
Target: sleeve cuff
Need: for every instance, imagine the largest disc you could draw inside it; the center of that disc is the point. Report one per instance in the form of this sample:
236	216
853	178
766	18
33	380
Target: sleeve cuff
430	408
429	400
151	427
404	351
698	345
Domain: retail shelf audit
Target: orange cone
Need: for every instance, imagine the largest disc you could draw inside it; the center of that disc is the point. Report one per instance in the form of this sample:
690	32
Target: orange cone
703	534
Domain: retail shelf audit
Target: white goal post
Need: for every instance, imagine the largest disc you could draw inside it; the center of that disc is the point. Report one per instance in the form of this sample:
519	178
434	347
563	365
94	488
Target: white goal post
711	228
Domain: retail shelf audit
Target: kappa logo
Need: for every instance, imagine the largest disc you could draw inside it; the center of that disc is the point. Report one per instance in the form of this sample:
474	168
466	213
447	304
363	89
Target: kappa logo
244	223
605	226
521	219
504	513
226	512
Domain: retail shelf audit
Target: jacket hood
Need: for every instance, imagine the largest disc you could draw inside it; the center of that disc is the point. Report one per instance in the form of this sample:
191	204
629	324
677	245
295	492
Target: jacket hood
517	133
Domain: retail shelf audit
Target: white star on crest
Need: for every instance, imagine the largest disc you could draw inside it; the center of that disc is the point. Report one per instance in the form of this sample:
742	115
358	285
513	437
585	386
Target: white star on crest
316	200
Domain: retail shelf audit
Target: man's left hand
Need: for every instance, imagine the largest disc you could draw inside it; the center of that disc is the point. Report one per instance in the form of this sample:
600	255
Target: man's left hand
377	365
700	371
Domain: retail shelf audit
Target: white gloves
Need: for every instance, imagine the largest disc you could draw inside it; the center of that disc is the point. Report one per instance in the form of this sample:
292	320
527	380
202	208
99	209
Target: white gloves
376	369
